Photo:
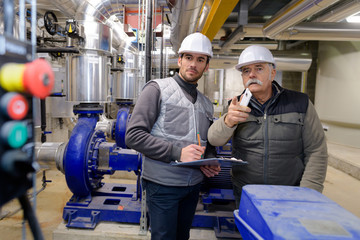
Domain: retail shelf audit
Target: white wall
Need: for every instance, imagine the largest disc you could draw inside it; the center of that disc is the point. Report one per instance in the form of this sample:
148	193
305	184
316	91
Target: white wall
337	93
233	84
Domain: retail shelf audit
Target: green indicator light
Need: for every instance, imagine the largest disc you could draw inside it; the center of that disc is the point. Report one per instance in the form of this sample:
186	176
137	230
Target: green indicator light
15	133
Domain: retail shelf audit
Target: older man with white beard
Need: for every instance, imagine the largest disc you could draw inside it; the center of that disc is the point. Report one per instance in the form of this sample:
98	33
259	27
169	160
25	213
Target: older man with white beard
279	133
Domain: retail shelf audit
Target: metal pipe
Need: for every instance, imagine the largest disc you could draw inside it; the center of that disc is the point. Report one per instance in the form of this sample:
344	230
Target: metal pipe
304	81
43	119
22	29
57	50
292	14
50	152
347	9
184	19
148	40
324	31
162	45
8	17
221	86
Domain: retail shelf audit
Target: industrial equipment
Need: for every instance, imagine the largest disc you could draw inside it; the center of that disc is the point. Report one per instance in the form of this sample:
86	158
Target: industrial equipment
22	81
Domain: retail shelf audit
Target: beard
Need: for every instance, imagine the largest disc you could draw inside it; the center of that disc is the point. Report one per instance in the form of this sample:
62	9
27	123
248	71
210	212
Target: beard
193	78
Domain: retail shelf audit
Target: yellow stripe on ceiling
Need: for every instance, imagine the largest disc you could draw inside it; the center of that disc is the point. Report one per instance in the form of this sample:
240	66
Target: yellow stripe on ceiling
219	12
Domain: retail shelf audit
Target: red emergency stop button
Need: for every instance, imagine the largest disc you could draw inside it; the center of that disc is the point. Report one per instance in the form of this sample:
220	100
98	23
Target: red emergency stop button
14	105
38	78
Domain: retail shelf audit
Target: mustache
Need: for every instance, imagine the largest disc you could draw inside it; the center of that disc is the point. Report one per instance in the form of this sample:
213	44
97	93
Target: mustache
253	80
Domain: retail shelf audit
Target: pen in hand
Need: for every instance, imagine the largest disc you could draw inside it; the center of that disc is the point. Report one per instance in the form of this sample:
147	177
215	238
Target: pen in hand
198	137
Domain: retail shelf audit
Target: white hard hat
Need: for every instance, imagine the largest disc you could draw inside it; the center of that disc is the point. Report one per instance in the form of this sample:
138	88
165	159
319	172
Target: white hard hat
196	43
255	54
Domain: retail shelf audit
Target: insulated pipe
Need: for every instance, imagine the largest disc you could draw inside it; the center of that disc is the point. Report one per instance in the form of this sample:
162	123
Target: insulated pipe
292	14
292	61
340	13
184	19
322	31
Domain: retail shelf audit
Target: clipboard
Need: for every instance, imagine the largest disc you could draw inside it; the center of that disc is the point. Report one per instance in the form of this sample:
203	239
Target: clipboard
223	162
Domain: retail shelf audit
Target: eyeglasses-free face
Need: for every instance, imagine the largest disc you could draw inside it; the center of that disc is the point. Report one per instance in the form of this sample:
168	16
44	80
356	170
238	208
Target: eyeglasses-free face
257	69
258	78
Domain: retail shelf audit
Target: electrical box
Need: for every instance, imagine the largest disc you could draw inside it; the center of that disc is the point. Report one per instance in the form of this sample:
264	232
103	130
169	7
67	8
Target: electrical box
20	81
16	125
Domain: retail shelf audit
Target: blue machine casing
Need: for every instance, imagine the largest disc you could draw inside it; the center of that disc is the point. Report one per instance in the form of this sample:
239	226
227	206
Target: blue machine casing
286	212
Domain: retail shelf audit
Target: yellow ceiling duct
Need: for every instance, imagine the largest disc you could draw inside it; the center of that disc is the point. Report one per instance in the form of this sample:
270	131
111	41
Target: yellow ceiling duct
219	12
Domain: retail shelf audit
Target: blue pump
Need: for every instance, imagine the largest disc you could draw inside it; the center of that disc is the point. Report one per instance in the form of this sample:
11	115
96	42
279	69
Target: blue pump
89	156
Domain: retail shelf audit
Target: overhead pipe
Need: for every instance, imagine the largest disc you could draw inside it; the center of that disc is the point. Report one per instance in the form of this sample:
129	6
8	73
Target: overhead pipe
293	61
203	14
308	31
340	13
184	18
326	31
292	14
269	44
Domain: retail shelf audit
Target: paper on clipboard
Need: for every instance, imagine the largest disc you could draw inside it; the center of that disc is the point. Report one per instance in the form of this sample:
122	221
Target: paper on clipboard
223	162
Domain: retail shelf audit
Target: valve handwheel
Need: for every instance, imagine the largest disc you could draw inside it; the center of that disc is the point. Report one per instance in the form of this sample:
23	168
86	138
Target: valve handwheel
50	21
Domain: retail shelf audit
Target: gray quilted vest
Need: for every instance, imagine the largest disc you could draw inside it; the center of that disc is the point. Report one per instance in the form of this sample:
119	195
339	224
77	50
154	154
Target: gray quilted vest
179	122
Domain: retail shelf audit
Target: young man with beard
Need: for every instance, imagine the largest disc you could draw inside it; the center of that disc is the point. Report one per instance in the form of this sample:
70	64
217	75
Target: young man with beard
169	119
279	134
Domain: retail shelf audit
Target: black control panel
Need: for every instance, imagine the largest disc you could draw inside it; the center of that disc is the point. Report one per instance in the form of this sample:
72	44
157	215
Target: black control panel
16	121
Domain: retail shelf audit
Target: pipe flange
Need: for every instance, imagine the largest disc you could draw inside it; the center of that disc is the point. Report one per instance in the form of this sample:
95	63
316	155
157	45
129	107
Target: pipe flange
93	152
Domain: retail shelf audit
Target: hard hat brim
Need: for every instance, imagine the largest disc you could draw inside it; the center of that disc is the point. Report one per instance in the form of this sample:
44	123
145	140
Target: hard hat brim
240	65
197	52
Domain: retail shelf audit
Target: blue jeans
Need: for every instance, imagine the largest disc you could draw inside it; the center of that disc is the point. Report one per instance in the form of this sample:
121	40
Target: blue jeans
171	210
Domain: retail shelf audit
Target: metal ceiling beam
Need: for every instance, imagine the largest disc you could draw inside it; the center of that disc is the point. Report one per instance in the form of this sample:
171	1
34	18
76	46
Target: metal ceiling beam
219	12
238	33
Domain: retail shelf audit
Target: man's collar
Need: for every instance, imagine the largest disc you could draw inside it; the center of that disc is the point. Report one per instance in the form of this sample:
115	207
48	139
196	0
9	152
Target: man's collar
182	82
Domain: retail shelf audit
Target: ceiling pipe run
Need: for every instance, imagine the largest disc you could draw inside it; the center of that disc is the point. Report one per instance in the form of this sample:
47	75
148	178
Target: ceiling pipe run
340	13
184	18
292	14
326	31
292	61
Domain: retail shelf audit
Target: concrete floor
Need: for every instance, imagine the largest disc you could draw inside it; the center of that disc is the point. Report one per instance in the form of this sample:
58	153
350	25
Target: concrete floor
339	186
